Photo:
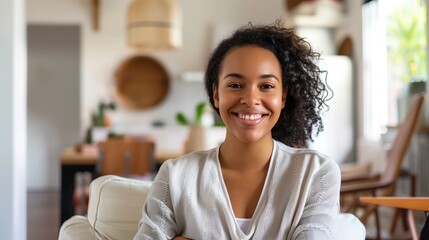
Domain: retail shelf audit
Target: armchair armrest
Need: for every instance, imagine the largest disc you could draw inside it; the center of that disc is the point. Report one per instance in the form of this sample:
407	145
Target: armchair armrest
349	227
359	177
77	227
365	186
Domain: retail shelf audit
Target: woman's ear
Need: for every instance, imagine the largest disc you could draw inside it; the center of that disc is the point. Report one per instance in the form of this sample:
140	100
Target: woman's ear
216	96
284	97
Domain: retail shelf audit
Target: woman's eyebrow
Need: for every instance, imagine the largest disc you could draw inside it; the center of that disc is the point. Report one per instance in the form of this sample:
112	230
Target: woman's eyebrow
269	76
237	75
234	75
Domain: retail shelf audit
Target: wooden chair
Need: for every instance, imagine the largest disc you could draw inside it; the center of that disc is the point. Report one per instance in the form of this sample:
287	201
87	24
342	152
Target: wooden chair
407	203
128	157
382	185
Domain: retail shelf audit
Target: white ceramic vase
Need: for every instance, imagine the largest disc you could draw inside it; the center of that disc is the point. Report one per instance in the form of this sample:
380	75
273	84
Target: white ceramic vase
197	140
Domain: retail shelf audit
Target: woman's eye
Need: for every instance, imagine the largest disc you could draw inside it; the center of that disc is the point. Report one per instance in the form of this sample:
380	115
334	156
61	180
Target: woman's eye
234	85
267	86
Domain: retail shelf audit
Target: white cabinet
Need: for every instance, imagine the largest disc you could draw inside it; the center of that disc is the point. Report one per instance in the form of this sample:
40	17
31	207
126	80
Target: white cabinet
337	140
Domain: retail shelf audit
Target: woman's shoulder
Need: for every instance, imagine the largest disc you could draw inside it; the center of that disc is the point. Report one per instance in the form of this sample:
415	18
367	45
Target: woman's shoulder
308	160
306	154
191	160
299	151
189	172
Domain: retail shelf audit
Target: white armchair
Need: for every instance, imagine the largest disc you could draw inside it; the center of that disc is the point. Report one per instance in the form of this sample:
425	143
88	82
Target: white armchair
115	208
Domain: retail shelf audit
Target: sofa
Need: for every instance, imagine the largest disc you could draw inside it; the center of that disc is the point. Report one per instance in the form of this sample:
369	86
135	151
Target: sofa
115	208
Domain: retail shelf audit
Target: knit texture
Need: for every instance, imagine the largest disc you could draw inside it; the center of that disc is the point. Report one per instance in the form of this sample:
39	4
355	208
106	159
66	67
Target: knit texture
299	200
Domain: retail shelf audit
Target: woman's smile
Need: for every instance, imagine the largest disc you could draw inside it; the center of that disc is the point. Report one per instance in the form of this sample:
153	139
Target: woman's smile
250	119
250	116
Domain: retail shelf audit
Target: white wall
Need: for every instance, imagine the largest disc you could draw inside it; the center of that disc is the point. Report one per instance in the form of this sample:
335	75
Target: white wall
12	121
103	51
336	141
353	27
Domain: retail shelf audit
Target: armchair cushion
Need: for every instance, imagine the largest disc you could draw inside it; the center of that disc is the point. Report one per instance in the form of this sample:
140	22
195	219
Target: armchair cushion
349	227
115	209
77	227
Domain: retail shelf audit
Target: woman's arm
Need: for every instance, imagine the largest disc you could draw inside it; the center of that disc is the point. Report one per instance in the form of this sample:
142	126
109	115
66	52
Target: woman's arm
158	221
321	210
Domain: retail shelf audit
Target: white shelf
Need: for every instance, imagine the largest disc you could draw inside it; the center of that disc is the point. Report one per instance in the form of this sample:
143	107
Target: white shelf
193	76
317	21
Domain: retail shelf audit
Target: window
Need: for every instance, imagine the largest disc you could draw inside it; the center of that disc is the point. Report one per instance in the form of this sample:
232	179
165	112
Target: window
394	60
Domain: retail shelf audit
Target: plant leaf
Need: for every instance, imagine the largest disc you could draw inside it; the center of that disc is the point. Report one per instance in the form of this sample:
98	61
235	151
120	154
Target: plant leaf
181	119
199	110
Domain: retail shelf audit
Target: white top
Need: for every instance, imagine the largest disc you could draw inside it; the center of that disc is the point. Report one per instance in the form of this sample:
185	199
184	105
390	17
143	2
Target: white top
243	223
299	200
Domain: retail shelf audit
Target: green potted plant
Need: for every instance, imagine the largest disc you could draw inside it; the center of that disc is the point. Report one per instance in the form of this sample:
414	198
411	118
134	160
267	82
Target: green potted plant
197	130
200	109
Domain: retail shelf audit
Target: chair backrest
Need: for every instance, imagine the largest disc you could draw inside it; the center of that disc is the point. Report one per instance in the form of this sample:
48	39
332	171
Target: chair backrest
125	157
402	141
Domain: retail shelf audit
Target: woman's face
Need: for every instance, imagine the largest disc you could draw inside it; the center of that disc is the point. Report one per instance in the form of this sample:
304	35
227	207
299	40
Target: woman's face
249	95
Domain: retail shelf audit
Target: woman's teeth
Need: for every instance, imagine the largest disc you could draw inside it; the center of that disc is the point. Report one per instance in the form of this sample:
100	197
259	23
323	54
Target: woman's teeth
250	116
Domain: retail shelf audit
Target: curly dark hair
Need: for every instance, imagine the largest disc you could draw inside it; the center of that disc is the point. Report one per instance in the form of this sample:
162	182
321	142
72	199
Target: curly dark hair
307	91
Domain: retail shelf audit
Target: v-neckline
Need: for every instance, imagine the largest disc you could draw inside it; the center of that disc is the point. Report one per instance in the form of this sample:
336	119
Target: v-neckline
262	198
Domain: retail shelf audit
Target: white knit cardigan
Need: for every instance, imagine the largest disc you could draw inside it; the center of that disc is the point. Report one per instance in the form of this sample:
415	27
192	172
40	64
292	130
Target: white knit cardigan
299	200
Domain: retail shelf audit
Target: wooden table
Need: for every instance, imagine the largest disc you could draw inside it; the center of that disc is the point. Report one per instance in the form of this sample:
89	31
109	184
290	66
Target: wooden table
412	203
85	161
407	203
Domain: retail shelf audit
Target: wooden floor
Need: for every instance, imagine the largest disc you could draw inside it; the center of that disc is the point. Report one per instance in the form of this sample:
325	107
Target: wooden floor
43	215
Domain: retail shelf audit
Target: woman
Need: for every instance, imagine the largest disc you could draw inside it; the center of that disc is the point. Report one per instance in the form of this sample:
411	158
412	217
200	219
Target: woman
261	183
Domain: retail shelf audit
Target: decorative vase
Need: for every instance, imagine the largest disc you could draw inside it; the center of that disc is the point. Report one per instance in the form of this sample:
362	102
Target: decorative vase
196	139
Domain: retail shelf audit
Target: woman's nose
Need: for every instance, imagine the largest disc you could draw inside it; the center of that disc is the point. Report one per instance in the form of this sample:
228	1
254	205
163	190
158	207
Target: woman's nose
250	97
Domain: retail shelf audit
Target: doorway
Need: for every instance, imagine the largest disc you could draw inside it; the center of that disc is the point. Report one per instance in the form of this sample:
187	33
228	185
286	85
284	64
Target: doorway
53	100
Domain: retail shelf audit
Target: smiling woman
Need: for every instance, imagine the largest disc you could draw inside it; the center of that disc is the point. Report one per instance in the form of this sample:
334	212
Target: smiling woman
263	82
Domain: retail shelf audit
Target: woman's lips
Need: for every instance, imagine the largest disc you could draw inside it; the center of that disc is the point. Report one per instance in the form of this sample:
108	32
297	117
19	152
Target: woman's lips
250	116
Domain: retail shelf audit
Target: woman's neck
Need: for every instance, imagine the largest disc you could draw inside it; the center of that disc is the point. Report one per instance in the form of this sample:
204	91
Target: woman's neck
239	156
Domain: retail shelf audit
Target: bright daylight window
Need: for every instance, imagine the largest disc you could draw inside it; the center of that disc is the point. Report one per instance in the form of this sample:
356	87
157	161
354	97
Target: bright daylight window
394	73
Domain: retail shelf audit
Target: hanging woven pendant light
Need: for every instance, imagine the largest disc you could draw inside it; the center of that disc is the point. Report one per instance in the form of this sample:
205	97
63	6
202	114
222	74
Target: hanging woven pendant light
154	24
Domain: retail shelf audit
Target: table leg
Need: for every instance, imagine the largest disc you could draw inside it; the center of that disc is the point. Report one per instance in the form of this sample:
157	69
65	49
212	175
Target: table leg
67	188
412	224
